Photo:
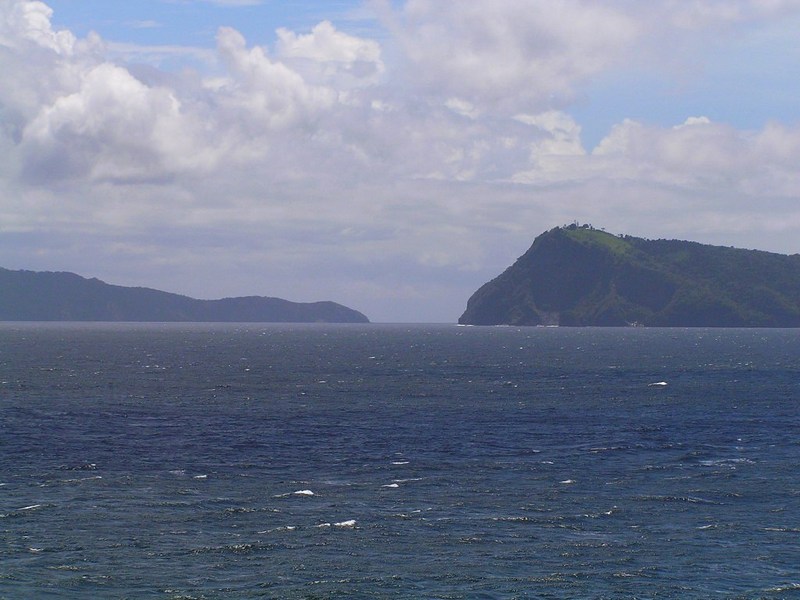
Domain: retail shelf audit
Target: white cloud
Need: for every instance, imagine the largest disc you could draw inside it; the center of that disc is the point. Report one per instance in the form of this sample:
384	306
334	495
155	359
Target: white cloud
325	43
271	94
562	134
462	107
698	154
556	150
520	54
335	51
113	127
779	144
29	21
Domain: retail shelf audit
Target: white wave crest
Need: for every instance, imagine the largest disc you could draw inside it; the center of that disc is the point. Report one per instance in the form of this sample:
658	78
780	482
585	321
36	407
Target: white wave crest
346	524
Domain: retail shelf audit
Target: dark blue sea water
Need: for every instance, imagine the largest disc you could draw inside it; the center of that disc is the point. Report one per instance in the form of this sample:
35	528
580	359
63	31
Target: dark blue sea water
264	461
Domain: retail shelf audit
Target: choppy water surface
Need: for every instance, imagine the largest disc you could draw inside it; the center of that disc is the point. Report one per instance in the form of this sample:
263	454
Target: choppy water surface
252	461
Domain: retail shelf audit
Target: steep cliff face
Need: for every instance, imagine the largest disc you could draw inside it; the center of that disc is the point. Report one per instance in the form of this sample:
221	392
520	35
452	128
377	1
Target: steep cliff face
581	276
37	296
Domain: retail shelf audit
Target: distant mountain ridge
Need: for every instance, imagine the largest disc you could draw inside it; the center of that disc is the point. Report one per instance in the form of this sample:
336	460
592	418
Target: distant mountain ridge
578	275
62	296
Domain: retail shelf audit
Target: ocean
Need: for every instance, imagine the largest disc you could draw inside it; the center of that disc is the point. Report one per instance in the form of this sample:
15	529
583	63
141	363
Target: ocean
182	461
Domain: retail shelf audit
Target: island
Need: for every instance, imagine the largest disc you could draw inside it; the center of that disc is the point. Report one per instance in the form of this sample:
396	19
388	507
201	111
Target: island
61	296
577	275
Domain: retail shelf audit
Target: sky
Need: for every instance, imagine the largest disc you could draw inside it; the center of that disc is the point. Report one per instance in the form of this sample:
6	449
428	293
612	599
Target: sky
392	156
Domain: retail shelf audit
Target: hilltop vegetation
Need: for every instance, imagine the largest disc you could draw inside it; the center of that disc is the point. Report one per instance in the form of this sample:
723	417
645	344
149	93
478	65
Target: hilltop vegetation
578	275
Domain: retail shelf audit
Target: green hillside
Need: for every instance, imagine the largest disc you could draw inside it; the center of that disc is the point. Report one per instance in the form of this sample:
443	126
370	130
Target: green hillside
578	275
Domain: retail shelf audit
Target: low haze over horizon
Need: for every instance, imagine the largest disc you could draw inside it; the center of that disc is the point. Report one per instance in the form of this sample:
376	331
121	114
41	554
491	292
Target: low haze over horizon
390	156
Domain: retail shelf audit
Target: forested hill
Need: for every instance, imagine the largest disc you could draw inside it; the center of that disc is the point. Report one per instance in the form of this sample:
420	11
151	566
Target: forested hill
578	275
45	296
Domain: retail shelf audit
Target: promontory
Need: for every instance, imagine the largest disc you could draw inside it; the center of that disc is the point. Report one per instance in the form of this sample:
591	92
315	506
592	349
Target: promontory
581	276
61	296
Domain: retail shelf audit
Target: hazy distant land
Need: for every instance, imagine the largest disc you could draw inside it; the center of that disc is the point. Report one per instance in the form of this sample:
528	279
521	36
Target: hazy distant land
60	296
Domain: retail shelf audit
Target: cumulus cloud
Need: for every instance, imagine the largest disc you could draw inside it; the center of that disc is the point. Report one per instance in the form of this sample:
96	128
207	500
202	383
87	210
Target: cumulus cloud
481	113
113	127
269	92
555	151
521	54
30	22
697	154
332	52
